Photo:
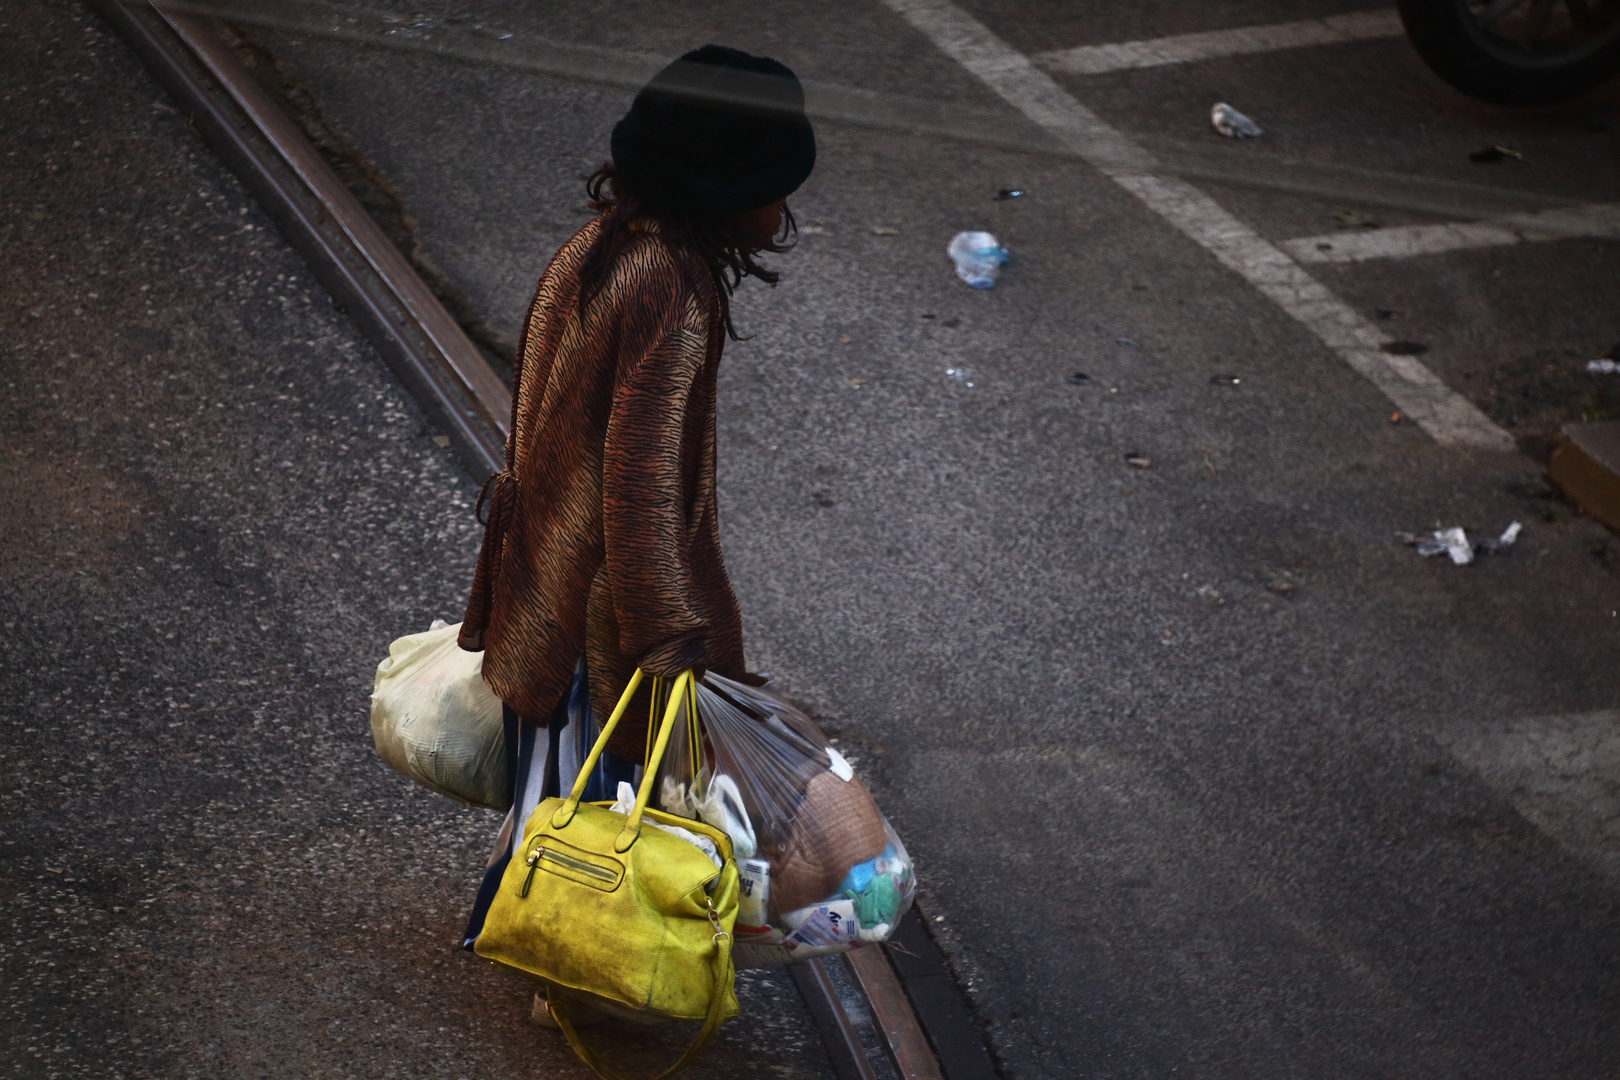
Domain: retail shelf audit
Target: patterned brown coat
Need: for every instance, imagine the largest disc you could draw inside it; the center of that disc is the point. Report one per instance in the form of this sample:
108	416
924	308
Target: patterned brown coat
604	529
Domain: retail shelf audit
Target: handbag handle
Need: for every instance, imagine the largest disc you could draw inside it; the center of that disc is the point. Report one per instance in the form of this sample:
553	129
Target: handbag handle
678	694
632	828
565	812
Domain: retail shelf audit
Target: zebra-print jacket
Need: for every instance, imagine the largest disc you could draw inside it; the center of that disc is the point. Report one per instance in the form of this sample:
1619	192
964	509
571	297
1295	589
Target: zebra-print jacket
603	532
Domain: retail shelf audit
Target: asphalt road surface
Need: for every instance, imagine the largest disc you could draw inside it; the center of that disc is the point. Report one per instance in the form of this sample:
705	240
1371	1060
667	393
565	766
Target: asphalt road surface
1205	772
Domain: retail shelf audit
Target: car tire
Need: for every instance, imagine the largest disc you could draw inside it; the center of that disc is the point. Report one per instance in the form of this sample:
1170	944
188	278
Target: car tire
1449	38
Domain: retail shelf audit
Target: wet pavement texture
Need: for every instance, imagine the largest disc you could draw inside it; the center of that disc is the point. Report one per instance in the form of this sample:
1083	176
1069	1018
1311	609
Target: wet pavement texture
219	508
1204	771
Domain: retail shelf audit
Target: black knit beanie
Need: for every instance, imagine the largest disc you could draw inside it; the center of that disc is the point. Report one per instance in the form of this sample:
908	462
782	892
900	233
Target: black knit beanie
716	132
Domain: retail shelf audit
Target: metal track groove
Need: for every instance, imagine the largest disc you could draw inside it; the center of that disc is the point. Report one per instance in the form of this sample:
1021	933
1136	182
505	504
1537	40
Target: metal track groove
355	261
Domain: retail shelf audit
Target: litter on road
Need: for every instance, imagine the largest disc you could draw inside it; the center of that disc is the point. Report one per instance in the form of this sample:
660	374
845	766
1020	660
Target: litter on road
1009	193
1487	155
1077	378
1353	218
1456	543
1127	342
1603	366
960	374
1231	123
1138	461
978	256
1225	380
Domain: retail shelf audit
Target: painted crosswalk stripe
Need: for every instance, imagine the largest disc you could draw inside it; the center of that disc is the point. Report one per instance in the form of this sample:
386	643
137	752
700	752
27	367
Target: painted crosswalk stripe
1202	159
1562	773
1408	241
1448	417
1213	44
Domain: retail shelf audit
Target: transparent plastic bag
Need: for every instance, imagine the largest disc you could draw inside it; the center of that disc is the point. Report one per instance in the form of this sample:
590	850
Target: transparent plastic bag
434	719
821	869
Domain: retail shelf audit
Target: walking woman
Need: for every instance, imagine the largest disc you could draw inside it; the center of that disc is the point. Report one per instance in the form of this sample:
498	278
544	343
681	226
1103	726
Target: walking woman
602	546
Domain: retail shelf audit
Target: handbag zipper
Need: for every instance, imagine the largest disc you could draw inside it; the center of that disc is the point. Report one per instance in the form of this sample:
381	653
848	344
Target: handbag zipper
601	873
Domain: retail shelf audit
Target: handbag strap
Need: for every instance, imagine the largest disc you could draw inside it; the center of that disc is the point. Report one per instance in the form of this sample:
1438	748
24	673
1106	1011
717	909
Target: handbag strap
565	812
679	695
649	774
723	974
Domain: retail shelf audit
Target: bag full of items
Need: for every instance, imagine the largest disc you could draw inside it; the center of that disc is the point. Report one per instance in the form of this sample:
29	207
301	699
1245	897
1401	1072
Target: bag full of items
621	908
820	869
434	719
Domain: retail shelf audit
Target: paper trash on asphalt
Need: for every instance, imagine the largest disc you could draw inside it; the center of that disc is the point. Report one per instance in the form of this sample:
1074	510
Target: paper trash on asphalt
1456	543
1233	124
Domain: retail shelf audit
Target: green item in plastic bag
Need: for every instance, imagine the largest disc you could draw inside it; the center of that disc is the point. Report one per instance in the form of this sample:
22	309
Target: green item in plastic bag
879	903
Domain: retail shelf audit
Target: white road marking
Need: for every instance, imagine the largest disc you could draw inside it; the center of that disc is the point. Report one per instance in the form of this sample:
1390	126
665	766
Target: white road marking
1245	40
1203	159
1562	773
1406	241
1448	417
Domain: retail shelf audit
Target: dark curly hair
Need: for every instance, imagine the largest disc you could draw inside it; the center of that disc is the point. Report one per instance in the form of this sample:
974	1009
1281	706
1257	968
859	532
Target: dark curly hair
720	242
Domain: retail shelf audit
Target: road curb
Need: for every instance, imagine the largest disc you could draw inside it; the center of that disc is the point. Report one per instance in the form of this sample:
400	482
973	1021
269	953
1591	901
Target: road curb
941	1009
1586	467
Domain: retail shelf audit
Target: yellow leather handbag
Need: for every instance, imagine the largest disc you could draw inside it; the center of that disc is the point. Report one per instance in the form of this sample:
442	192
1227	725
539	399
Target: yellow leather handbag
616	915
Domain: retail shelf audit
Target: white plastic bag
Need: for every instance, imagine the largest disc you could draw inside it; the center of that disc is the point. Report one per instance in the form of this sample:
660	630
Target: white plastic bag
434	719
820	869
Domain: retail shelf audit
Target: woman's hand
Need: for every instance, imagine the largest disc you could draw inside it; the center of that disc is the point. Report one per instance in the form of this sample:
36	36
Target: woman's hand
678	654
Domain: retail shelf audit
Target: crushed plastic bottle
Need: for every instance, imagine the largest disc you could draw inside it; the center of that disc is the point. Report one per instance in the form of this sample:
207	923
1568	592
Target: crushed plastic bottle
1453	541
978	256
1458	545
1233	124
